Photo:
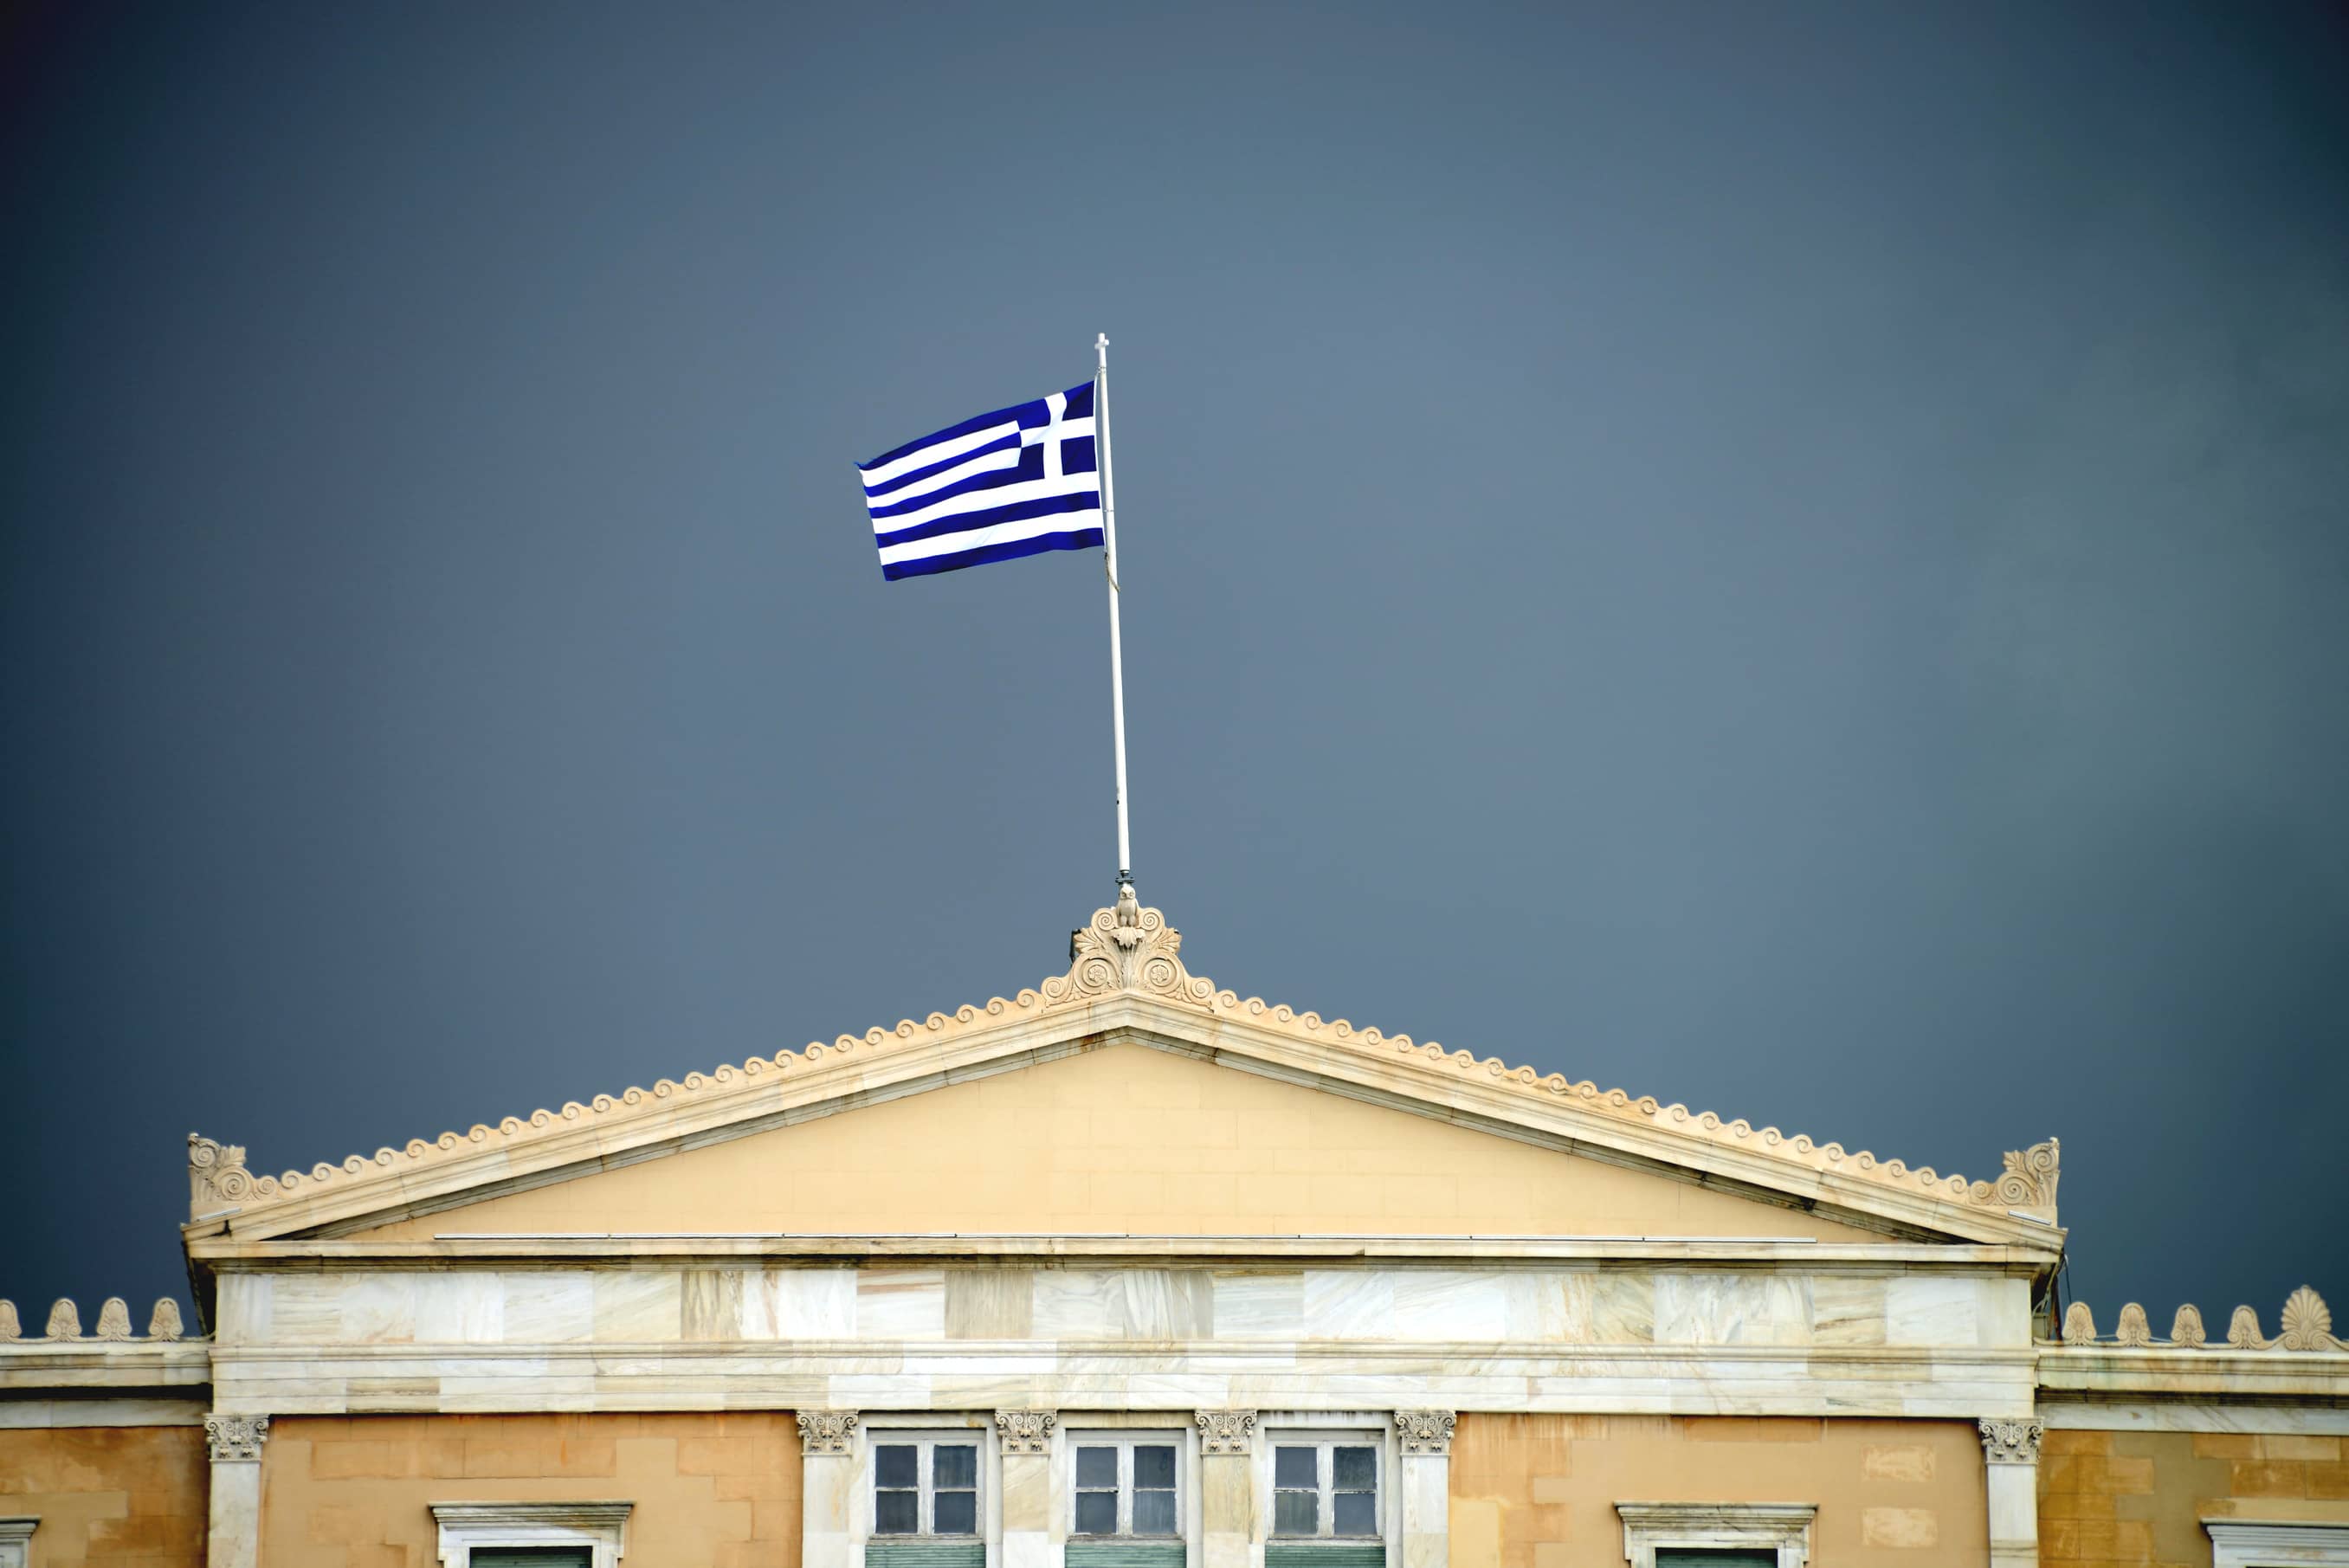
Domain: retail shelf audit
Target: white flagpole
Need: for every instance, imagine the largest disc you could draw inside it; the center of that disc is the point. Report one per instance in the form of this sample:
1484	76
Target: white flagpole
1109	560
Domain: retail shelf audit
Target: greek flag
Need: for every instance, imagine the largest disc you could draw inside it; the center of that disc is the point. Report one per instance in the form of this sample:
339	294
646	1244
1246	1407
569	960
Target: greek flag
1018	481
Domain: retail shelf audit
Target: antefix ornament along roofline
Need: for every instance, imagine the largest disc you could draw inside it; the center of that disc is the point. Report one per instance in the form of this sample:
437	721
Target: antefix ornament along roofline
1129	954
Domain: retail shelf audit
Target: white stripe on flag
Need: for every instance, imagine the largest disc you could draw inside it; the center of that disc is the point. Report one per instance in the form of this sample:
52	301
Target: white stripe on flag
990	498
986	462
998	533
938	453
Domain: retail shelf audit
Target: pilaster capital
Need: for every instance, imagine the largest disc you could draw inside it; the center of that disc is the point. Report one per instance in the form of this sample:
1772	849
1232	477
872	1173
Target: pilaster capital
236	1439
1425	1431
1227	1432
827	1432
1025	1432
2011	1442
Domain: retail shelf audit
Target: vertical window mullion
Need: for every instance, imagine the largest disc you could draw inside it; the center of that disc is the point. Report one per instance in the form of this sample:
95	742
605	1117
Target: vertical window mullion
1326	1520
1125	1489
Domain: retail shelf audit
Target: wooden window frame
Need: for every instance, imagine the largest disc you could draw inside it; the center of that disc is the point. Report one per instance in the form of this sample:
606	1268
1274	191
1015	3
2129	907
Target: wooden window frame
1126	1442
1325	1470
925	1442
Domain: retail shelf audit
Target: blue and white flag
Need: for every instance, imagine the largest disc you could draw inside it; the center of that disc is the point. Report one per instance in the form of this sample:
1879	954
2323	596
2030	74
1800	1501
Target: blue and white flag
1018	481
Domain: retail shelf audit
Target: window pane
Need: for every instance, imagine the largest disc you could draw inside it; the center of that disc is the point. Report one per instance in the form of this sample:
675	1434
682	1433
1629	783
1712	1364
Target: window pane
953	1465
1097	1513
896	1513
1153	1466
957	1511
894	1465
1293	1467
1295	1513
1097	1467
1356	1470
1154	1513
1677	1557
1357	1514
531	1557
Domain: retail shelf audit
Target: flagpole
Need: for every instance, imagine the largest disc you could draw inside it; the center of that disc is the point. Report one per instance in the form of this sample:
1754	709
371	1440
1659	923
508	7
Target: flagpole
1108	561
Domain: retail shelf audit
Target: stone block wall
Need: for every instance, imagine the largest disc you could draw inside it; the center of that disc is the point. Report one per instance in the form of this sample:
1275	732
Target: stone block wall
114	1495
712	1490
2139	1498
1539	1491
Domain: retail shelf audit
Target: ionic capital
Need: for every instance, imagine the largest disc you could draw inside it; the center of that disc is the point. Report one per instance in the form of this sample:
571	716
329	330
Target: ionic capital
236	1439
2006	1442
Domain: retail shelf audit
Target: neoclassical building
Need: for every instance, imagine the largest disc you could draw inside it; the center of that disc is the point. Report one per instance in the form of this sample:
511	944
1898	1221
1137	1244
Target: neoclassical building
1126	1270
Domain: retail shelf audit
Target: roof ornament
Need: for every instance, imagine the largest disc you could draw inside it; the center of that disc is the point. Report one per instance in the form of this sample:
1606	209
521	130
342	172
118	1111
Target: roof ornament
1127	947
2029	1183
217	1177
2307	1327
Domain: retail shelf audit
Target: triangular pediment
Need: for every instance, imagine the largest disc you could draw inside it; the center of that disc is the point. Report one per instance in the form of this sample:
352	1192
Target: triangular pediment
1125	1140
1112	1098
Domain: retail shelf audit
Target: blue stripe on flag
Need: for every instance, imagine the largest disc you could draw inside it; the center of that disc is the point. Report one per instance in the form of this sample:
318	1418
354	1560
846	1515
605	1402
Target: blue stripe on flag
915	475
1082	539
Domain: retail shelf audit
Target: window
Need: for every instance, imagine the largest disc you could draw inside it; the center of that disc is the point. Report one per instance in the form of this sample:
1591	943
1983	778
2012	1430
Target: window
1125	1487
15	1533
533	1534
1717	1534
1326	1489
925	1485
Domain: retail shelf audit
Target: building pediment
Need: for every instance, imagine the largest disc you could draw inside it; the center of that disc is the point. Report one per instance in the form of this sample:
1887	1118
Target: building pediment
1126	984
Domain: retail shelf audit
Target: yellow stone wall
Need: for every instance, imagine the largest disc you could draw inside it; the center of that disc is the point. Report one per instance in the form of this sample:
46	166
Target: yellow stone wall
2109	1498
712	1490
1135	1140
1539	1491
125	1495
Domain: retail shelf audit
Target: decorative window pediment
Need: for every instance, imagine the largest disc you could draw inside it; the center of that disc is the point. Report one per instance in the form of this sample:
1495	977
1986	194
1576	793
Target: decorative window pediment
1784	1528
598	1529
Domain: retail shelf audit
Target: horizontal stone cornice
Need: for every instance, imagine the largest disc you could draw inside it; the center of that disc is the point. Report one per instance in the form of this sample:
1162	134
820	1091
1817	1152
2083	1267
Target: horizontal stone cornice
2131	1373
292	1255
1073	1378
99	1364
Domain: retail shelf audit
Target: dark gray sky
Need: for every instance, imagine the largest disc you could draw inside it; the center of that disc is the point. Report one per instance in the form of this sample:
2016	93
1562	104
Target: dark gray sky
1790	558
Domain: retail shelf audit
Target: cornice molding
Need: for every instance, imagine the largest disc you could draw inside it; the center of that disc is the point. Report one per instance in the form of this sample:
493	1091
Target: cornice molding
1125	972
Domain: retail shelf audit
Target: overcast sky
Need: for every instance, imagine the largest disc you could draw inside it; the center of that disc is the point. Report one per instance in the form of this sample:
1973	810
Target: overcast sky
1790	558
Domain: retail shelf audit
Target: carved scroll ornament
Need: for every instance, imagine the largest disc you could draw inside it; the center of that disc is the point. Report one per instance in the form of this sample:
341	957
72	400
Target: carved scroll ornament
827	1432
2011	1442
1126	948
1227	1432
237	1438
1425	1431
1025	1432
